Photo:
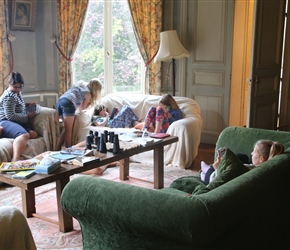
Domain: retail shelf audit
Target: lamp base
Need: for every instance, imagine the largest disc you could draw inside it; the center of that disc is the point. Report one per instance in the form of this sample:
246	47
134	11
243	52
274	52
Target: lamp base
173	77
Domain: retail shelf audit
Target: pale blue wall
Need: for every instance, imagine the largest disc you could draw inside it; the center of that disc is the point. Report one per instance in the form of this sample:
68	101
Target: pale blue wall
35	57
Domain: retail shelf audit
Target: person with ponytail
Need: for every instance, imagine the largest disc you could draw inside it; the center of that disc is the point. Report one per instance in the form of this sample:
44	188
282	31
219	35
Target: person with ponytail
81	95
263	151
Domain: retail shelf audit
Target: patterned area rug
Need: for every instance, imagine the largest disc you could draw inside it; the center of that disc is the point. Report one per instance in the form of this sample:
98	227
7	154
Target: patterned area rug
46	234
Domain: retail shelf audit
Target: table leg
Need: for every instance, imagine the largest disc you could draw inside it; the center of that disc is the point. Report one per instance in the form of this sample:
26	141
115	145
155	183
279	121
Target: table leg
124	169
158	168
65	220
28	202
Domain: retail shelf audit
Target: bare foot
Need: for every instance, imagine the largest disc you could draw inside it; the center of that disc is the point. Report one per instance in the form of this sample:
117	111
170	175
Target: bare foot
96	171
101	170
15	159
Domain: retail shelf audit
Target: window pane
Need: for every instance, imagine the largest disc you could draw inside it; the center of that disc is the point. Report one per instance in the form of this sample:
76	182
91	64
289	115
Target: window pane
89	59
126	56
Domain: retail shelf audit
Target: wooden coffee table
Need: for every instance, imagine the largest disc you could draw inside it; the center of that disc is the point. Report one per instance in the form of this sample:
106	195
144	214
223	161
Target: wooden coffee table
62	176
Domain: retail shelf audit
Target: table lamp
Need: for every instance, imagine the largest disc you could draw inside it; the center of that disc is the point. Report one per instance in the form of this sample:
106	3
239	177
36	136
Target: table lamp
170	49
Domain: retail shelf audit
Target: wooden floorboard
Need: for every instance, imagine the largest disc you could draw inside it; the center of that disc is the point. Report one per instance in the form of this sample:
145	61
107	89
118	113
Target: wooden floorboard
205	153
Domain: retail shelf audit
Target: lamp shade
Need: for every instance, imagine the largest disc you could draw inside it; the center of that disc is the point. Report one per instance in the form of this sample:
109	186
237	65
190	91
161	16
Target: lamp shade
170	47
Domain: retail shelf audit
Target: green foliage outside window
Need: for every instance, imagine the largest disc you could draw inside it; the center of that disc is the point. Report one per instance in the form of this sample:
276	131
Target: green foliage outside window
89	57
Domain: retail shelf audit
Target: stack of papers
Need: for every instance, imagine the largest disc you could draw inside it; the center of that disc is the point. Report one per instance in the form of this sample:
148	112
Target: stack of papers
145	141
63	157
73	151
83	161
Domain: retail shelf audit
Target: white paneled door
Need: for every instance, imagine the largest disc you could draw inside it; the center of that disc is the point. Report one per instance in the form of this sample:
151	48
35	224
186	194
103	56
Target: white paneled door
209	68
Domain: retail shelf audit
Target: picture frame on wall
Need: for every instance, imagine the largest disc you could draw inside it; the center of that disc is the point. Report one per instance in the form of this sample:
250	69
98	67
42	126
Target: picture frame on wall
23	15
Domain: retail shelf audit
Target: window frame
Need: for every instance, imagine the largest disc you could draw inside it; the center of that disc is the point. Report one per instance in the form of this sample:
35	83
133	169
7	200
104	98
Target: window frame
108	59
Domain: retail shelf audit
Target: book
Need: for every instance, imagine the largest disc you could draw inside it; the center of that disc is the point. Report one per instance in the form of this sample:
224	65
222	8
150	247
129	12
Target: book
47	165
23	174
19	165
83	161
73	151
63	157
159	135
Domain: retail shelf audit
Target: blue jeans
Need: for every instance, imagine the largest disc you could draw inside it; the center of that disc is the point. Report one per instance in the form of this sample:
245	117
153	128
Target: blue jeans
65	107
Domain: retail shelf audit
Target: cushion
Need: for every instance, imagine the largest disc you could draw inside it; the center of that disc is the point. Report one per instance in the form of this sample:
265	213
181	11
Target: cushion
186	184
230	168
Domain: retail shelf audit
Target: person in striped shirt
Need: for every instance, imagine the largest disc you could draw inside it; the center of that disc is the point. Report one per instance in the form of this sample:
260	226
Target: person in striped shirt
13	117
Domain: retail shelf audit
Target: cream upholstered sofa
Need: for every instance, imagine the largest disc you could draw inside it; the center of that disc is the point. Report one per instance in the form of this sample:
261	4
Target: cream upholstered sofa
188	129
46	124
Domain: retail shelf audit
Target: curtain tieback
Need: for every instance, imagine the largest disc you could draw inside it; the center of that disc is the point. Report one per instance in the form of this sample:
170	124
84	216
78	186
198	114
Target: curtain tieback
66	58
151	59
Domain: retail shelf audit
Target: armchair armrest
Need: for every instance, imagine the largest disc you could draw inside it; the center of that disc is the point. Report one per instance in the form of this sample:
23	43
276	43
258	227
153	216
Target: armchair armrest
46	124
128	215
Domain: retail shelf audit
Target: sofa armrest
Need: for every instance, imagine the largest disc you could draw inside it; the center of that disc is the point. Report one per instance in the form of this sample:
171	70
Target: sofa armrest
126	212
188	130
46	124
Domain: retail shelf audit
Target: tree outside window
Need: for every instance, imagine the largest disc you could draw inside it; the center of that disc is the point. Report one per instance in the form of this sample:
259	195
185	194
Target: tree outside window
107	48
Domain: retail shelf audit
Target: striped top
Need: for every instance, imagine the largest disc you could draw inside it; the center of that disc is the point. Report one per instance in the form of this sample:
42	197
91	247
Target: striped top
12	107
76	94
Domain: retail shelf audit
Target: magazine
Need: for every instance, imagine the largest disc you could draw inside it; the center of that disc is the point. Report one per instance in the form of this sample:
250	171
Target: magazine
19	165
73	151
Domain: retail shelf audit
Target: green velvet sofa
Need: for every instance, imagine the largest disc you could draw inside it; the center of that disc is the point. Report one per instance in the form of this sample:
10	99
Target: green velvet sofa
251	211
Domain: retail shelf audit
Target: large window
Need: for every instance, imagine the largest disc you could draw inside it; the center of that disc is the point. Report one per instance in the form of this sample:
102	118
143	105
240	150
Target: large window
107	48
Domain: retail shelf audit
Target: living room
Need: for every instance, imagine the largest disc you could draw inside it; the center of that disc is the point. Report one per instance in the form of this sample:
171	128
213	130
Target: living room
205	28
222	92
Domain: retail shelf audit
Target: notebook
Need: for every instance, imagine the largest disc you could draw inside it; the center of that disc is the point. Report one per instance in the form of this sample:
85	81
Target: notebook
159	135
63	157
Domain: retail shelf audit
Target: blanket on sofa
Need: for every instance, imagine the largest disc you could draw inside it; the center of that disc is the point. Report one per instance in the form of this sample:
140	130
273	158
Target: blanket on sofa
46	124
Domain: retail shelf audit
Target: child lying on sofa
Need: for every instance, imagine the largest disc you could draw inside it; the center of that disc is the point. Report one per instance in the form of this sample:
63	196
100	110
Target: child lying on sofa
125	118
263	151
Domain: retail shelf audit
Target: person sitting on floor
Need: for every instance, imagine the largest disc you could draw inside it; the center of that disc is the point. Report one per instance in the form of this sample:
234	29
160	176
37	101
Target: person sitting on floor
99	170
